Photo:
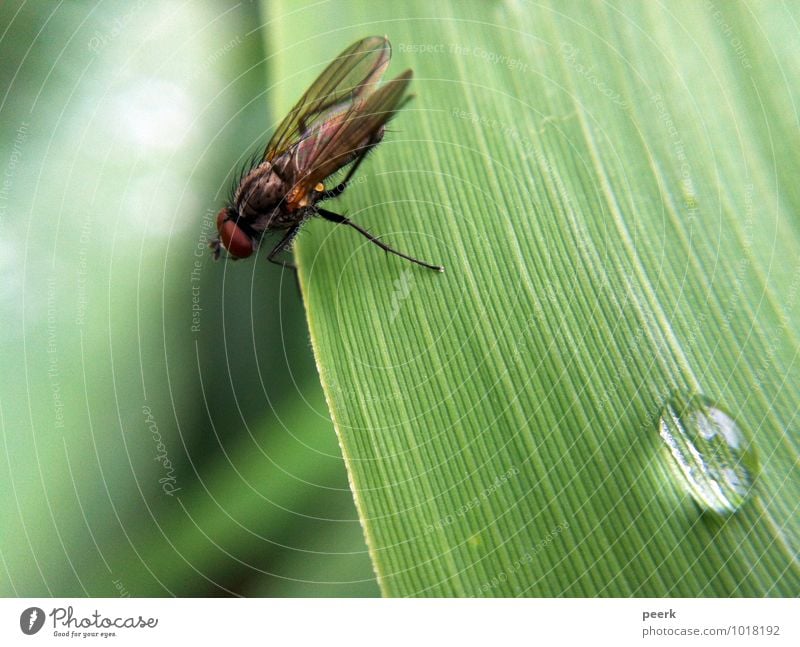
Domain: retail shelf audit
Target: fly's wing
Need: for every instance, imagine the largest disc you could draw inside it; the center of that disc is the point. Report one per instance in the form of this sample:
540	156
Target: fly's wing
352	75
340	140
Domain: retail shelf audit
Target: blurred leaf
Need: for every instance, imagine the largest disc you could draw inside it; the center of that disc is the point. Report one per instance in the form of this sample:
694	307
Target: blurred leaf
161	431
611	189
260	521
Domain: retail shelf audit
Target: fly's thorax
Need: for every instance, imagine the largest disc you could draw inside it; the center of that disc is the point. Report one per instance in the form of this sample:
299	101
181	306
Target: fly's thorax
260	192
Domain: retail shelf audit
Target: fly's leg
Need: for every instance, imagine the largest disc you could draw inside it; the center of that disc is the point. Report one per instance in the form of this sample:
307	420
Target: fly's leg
283	244
341	220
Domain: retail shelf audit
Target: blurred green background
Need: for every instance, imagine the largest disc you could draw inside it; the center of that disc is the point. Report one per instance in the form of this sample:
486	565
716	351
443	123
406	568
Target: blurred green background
163	427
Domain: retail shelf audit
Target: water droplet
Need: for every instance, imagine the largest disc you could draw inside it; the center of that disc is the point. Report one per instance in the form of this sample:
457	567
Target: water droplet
709	452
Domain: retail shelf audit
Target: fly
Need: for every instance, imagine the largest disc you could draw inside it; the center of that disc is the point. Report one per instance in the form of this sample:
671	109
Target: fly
336	123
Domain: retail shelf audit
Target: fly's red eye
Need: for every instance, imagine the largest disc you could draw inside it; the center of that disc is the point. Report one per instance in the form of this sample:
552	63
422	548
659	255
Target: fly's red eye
232	237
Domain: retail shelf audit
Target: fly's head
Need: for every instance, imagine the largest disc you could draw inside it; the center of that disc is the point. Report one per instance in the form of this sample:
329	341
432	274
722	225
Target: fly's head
234	235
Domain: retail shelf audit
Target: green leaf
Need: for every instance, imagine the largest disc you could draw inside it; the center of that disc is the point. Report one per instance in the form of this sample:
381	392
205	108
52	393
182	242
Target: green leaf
612	189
